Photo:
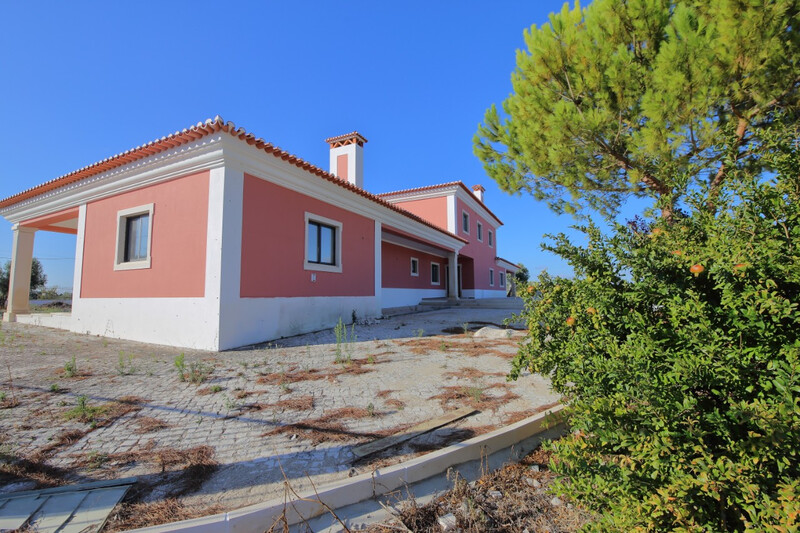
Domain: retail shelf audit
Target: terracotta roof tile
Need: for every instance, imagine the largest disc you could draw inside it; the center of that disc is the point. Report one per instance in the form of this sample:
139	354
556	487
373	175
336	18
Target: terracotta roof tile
187	135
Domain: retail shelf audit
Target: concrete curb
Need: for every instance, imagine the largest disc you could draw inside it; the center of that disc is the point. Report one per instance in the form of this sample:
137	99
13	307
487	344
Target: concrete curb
259	517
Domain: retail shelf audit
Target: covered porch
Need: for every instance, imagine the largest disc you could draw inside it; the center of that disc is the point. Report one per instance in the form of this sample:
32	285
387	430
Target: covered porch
18	305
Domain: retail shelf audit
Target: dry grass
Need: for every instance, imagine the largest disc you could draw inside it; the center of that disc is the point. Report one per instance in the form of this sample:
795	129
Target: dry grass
327	428
148	424
293	375
516	416
301	403
469	372
474	397
384	393
136	515
524	505
397	404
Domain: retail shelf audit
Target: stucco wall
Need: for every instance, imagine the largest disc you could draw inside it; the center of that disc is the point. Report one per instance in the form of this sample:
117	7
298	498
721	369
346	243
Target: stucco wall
178	247
475	273
434	210
273	246
396	261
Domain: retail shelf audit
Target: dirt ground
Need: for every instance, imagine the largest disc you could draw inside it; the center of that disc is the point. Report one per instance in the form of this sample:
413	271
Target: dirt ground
205	432
514	499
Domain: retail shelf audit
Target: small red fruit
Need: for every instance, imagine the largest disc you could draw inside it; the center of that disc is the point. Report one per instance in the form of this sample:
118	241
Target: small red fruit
571	321
530	290
740	266
591	310
696	269
677	252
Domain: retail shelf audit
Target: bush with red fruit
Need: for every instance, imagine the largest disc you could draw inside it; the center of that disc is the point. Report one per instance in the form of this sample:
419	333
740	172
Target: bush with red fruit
684	381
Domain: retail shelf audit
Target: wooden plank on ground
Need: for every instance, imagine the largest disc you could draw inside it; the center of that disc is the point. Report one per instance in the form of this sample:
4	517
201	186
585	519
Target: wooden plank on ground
14	512
92	513
392	440
56	510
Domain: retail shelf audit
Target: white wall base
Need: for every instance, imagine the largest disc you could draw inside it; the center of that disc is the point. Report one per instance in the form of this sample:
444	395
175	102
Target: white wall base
185	322
406	297
51	320
483	293
252	320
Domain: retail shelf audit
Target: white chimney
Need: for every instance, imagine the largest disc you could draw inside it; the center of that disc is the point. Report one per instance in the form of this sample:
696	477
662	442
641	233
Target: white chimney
347	157
478	191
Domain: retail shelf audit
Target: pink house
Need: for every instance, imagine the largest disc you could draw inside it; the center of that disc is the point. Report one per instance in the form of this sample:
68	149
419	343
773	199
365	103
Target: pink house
212	238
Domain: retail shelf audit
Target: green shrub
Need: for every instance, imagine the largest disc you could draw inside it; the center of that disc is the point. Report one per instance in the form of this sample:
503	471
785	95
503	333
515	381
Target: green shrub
676	349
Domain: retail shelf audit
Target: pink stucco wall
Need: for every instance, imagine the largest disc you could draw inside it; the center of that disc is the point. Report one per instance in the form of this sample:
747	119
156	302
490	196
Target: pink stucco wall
475	273
434	210
178	246
273	246
396	266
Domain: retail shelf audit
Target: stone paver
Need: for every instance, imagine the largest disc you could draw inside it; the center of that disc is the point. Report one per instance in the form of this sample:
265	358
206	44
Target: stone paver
399	364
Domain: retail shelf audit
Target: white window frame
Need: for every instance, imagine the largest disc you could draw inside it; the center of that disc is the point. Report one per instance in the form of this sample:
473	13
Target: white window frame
438	273
490	238
479	231
318	267
413	261
463	215
122	217
502	279
491	277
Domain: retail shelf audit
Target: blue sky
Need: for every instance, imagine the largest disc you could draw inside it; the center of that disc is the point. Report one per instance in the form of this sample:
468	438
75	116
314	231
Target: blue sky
82	81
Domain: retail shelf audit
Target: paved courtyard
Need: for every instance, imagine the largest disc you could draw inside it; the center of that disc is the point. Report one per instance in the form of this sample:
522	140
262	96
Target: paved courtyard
221	430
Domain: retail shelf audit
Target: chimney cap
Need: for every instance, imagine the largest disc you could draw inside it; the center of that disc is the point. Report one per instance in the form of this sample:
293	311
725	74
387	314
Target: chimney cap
348	138
478	188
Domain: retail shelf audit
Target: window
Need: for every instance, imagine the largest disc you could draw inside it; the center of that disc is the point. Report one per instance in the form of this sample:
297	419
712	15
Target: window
414	266
434	273
479	231
134	235
491	238
502	279
465	221
323	244
491	277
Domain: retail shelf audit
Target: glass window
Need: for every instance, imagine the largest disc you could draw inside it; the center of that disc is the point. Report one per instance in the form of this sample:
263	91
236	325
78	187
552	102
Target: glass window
321	243
491	277
465	222
491	238
502	279
136	235
480	231
414	266
434	273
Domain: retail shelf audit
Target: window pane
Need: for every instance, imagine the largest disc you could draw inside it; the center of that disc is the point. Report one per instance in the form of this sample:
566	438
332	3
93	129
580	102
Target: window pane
466	222
434	273
327	245
313	241
141	248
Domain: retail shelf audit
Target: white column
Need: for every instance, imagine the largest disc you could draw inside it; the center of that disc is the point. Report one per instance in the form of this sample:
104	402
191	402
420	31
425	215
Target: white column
452	282
19	285
378	265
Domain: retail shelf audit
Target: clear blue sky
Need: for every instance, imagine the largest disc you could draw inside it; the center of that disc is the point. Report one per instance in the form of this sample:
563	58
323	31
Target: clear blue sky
83	81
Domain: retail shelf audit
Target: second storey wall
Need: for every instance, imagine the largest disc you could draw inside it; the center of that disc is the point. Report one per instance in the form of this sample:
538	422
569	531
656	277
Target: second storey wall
273	246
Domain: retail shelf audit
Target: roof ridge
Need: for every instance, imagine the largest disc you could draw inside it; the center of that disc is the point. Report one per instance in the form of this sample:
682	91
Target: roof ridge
198	131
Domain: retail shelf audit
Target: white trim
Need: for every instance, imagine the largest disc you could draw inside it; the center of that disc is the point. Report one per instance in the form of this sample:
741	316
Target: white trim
479	230
394	297
122	217
508	266
438	273
451	213
502	276
205	154
378	260
337	266
77	276
490	238
469	223
415	260
491	277
277	171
